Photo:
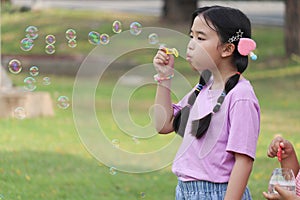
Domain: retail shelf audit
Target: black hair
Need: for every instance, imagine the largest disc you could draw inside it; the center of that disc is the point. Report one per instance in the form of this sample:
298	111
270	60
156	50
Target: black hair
226	22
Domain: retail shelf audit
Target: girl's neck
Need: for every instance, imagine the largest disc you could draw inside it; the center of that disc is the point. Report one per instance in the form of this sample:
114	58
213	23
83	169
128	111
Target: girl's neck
220	77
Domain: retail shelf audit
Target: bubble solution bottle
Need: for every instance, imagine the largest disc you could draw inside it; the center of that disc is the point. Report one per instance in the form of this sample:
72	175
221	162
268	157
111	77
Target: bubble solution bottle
283	177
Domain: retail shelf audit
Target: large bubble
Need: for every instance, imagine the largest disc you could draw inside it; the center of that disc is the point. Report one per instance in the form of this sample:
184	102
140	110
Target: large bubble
94	38
26	44
15	66
32	32
71	34
135	28
117	27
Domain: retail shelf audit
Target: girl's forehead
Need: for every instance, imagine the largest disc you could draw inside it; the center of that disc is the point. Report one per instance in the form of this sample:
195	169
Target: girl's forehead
201	23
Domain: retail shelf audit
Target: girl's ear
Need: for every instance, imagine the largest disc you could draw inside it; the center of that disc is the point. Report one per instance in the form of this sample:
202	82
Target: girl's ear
228	50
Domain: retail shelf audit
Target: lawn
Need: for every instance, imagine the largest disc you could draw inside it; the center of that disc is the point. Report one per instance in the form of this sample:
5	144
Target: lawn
45	158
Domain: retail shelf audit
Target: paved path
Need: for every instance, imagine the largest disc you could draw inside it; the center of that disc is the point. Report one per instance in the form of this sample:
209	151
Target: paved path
259	12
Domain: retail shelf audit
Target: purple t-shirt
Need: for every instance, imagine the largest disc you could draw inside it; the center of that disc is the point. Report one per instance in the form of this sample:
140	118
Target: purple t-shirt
235	128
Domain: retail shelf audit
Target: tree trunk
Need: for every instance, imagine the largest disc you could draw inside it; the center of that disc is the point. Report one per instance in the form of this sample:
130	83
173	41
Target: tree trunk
6	1
292	27
178	10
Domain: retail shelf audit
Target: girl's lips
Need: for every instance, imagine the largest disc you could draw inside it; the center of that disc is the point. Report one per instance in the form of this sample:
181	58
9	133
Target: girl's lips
188	57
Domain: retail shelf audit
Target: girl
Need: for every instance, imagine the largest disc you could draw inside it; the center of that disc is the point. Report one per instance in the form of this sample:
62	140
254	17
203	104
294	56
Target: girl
219	121
288	159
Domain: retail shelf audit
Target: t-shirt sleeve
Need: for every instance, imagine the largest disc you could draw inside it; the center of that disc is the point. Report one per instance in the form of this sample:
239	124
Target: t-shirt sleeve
244	125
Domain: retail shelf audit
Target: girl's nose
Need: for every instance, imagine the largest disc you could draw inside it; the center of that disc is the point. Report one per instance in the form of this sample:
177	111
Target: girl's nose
191	44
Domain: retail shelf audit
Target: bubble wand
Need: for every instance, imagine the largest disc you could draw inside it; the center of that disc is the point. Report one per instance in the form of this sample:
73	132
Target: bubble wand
171	51
279	154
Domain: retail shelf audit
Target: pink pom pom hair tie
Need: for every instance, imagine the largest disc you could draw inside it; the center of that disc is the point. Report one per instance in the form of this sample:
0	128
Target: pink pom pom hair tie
245	45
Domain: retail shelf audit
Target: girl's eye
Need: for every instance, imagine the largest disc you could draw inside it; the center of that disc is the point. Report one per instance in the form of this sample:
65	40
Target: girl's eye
200	38
191	36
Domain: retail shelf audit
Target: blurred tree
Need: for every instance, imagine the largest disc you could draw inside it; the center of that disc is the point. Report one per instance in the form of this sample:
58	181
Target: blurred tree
292	27
178	10
5	1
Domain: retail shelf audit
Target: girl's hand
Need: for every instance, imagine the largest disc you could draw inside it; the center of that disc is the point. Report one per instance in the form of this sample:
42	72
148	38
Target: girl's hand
279	143
282	194
163	63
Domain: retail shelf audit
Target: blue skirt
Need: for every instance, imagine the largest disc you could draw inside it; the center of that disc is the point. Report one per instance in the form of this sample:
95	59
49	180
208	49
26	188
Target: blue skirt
204	190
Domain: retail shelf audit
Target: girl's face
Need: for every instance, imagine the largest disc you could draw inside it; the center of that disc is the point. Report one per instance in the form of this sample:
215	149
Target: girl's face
204	48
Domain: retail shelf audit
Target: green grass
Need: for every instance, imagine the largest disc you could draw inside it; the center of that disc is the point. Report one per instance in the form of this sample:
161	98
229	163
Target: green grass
44	158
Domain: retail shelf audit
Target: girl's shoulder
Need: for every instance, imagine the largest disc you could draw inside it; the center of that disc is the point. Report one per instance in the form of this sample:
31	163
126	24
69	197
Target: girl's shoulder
242	90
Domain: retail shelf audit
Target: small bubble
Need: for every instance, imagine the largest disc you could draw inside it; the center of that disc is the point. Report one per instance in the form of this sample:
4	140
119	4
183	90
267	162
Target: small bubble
32	32
50	39
71	34
153	38
29	84
113	171
94	37
14	66
117	27
34	71
46	81
50	49
135	28
116	143
135	140
19	113
26	44
63	102
72	43
104	39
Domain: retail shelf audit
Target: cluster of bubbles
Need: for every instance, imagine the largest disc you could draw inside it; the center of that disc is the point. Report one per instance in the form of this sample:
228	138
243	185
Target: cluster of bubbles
71	37
50	41
30	82
94	37
27	43
31	33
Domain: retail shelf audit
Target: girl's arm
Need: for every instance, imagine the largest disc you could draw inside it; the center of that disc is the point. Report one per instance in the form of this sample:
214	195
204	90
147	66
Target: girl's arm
163	110
290	161
239	177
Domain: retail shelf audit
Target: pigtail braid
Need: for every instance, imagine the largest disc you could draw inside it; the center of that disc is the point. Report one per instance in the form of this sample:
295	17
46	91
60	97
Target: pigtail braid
181	118
203	124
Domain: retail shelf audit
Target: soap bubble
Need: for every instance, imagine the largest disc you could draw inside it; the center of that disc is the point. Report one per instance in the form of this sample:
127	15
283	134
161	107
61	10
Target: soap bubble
104	39
29	83
50	39
50	49
116	143
14	66
135	28
153	38
26	44
63	102
113	171
34	71
46	81
94	37
71	34
19	113
117	27
32	32
72	43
